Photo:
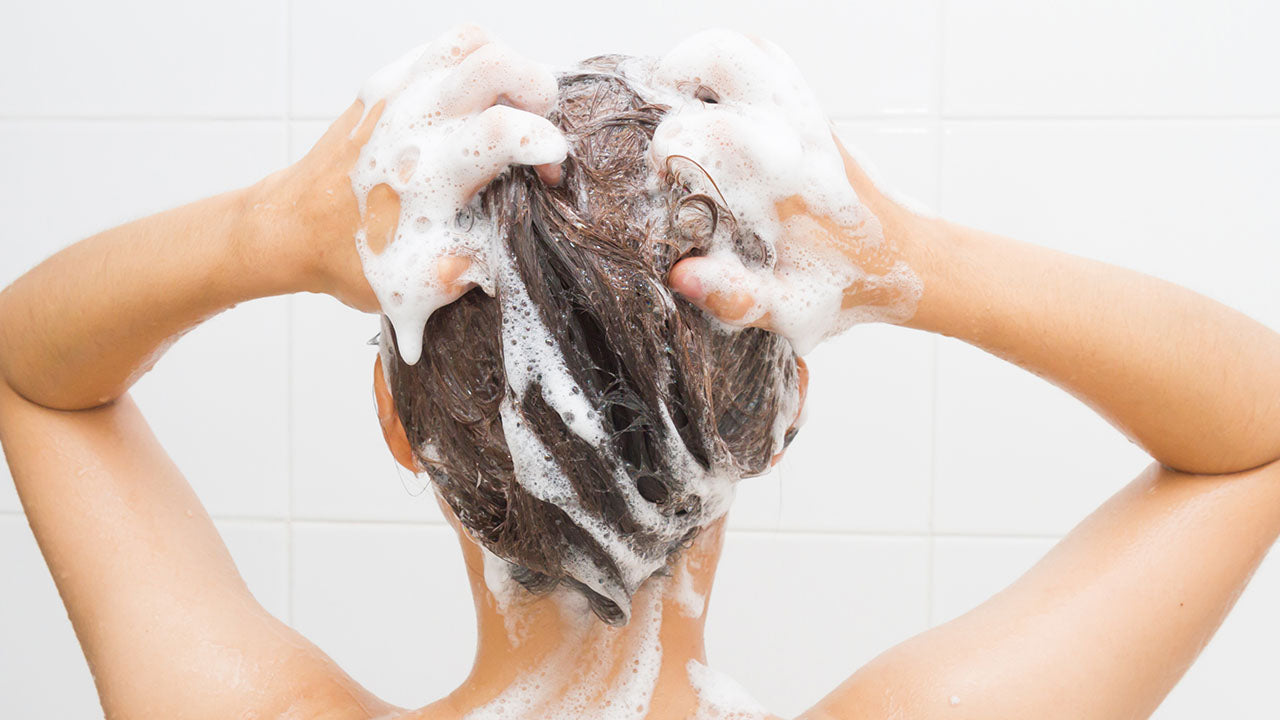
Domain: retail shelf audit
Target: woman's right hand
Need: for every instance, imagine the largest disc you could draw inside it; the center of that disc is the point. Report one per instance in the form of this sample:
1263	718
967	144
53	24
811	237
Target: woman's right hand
748	120
308	213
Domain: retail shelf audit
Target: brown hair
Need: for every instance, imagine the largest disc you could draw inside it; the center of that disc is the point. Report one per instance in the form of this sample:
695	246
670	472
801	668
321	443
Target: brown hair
592	255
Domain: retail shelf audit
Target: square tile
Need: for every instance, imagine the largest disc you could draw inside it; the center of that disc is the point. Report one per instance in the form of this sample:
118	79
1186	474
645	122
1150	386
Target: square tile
1110	57
1016	455
261	553
967	571
389	603
900	157
757	502
143	57
342	468
219	403
1188	201
862	57
792	616
863	459
66	180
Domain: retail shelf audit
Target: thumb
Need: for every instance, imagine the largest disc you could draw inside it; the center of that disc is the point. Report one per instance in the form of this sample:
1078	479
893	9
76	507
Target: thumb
724	289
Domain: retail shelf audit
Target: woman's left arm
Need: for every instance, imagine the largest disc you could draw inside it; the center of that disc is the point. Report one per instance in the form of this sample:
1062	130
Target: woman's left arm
167	624
80	328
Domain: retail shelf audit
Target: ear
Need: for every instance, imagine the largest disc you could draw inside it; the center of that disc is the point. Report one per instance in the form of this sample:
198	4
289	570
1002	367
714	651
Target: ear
389	419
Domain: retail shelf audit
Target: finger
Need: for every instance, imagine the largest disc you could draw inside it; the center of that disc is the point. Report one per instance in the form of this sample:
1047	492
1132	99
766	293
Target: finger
727	62
451	48
449	270
495	73
463	40
381	217
347	121
717	288
551	173
802	382
443	52
360	135
723	145
502	136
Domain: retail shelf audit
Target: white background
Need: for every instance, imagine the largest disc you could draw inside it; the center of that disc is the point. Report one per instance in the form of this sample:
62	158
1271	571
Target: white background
1141	132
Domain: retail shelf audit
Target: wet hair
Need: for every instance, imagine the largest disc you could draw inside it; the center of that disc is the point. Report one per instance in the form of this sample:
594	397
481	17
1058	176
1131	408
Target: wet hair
593	255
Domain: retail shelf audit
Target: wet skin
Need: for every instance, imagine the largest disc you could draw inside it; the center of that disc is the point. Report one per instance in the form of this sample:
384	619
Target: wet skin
1120	607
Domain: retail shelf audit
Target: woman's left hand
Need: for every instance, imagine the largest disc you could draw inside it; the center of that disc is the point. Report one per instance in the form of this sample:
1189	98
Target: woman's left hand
308	213
744	116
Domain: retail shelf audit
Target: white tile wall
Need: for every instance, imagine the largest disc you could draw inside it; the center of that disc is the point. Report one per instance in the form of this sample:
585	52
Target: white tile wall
887	62
389	602
930	475
141	58
859	595
66	179
1106	58
1187	200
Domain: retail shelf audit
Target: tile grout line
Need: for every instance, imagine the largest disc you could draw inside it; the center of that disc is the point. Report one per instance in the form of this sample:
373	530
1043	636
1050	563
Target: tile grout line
123	119
286	7
751	530
962	119
860	118
932	550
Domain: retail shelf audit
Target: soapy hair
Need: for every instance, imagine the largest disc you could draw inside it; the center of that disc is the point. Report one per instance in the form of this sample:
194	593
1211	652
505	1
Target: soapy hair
593	254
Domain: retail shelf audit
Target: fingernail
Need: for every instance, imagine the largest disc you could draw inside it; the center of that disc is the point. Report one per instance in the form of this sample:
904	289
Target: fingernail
691	287
551	174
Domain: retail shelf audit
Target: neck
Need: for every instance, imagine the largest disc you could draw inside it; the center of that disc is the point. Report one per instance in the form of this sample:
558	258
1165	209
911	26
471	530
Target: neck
549	656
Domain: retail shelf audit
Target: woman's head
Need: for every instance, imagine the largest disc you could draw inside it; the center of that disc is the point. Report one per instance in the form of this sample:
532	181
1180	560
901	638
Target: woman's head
582	423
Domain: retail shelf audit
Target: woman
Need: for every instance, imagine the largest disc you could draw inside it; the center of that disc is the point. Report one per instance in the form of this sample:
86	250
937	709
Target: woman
1102	627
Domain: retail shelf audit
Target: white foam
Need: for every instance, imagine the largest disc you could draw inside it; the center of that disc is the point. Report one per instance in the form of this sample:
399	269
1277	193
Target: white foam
720	697
530	355
621	670
506	594
688	599
439	139
742	112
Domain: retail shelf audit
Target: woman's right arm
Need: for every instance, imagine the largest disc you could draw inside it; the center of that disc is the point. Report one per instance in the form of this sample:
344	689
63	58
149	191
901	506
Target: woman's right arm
1107	623
1193	382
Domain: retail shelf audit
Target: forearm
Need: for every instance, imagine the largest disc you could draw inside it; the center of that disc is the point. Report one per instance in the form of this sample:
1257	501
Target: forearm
80	328
1193	382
